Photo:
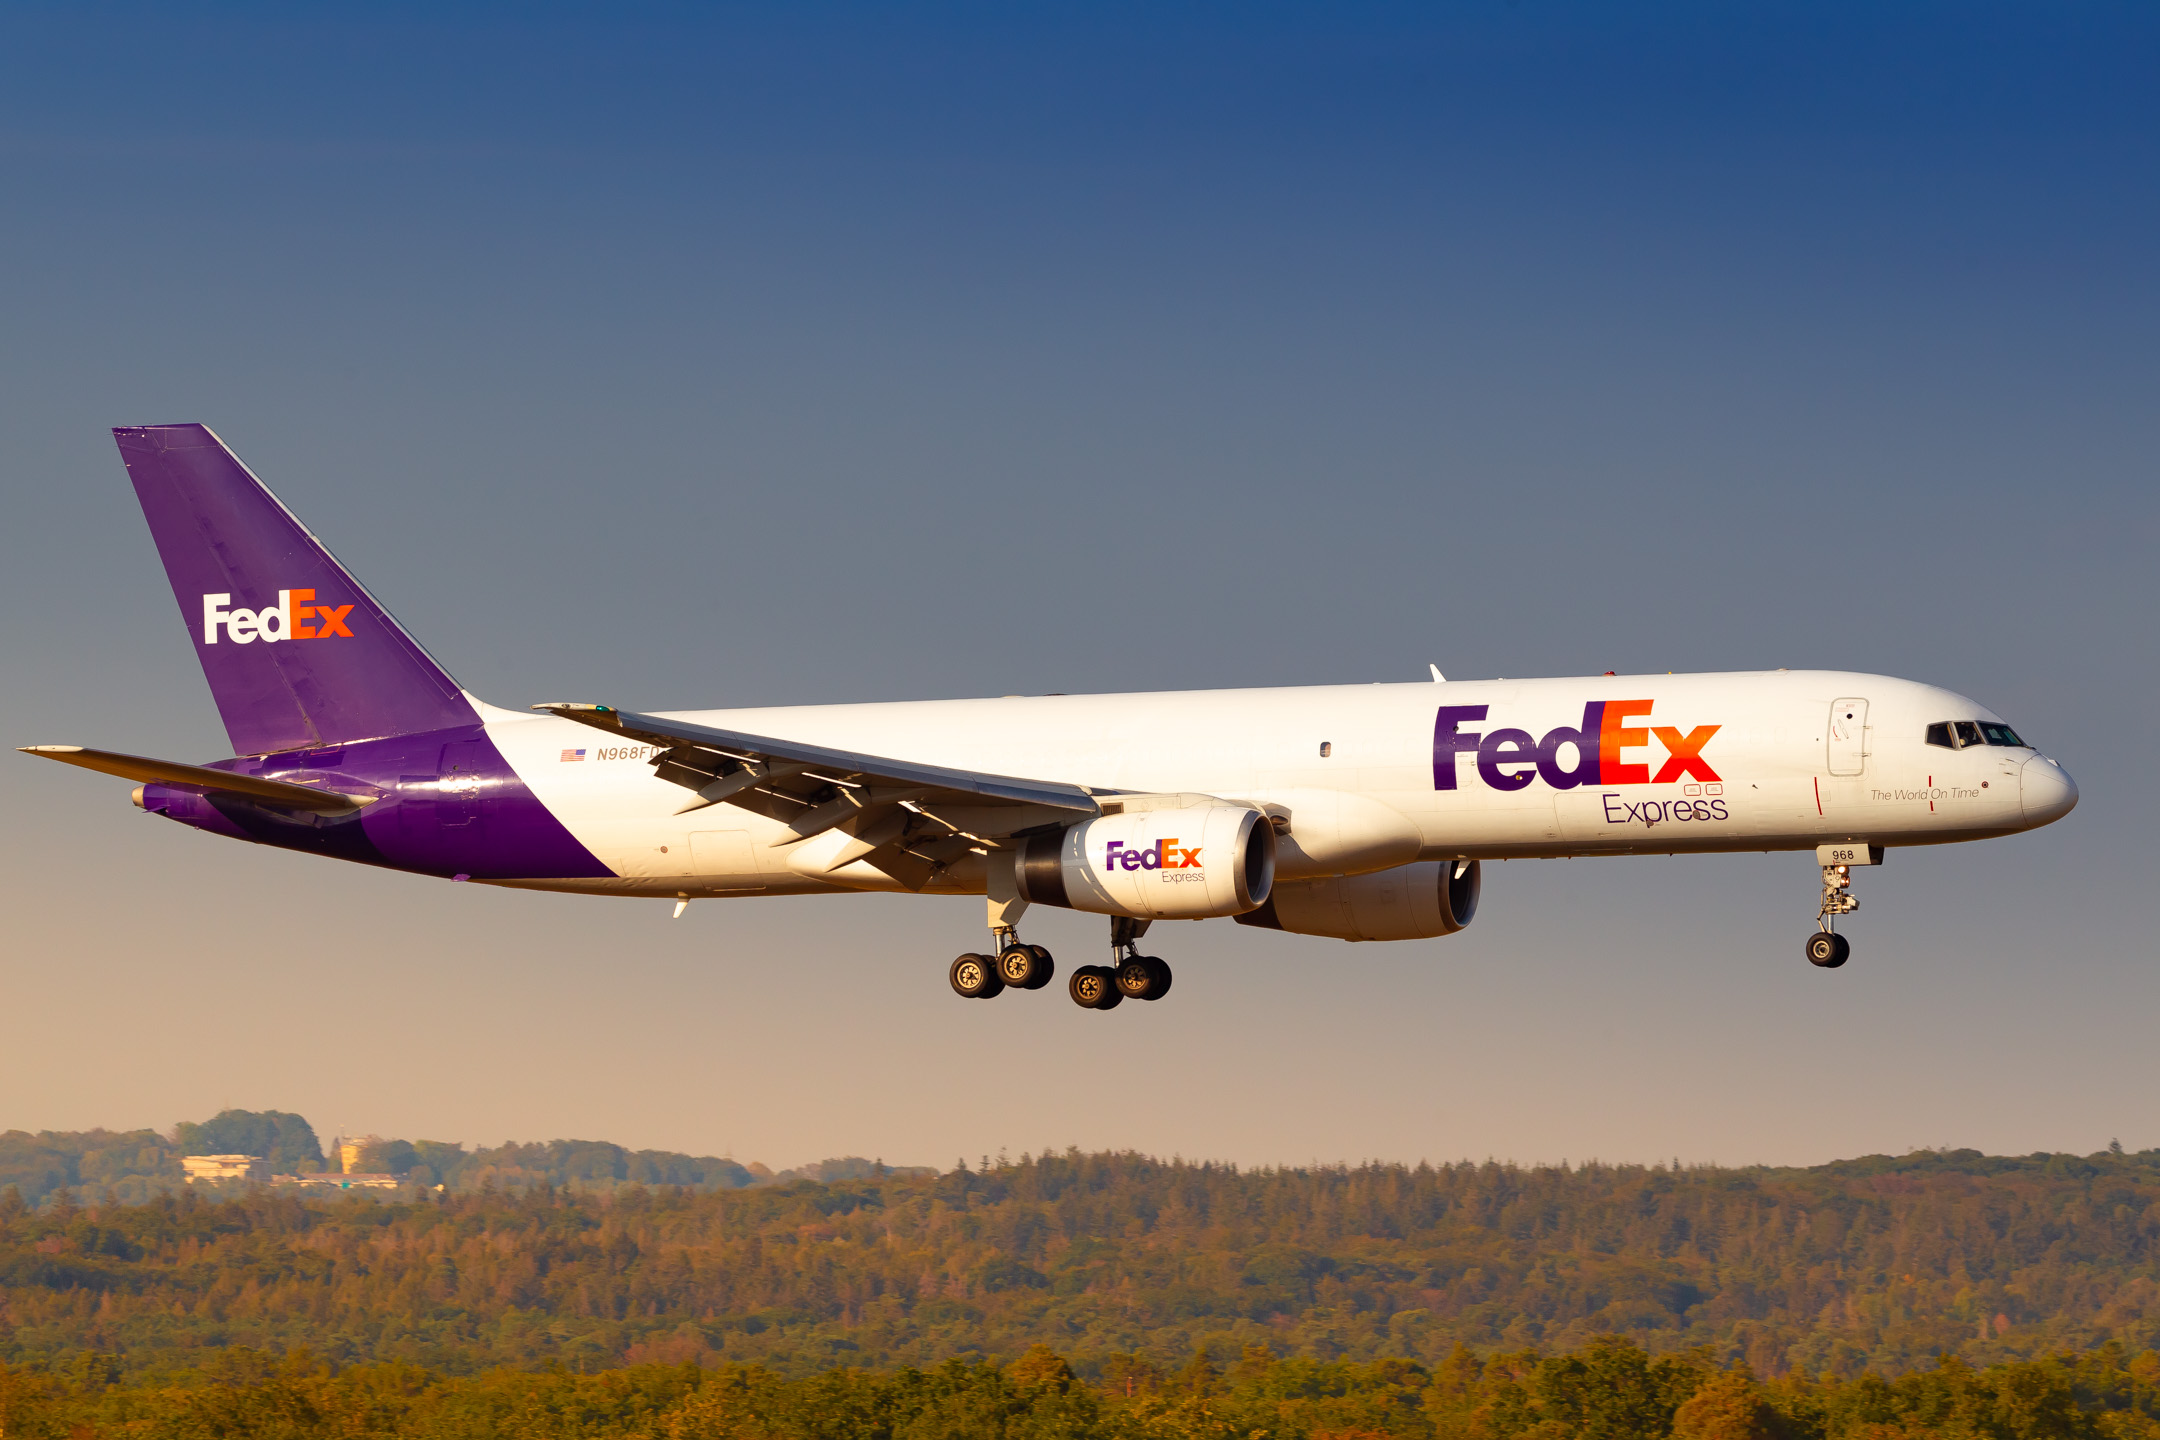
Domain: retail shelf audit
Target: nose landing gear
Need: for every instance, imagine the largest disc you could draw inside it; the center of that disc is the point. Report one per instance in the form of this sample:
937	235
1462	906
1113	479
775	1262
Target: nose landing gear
1826	948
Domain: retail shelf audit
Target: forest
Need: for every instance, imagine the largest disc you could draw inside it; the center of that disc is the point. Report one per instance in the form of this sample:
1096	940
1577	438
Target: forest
1610	1389
1886	1265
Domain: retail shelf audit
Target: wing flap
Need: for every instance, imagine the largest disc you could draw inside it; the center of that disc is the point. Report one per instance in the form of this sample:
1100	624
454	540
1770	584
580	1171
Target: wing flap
842	764
813	788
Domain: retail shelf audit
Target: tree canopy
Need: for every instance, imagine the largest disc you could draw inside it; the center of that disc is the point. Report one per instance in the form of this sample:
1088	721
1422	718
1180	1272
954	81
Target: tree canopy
1881	1263
1610	1389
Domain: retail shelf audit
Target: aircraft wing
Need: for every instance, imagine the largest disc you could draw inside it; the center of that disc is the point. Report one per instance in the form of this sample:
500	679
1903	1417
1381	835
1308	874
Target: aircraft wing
905	818
200	778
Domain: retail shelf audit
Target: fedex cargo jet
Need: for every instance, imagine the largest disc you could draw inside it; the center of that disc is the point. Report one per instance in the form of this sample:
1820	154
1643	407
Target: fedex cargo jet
1360	812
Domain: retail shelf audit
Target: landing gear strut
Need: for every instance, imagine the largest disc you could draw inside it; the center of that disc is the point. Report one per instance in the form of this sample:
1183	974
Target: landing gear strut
1826	948
1014	966
1129	976
1012	963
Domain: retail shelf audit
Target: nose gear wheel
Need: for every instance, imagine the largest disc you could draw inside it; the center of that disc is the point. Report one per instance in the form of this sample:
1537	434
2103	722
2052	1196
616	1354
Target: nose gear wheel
1828	949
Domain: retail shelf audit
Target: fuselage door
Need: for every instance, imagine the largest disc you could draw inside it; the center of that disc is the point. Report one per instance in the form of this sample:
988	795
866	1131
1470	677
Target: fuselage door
457	786
1848	736
440	819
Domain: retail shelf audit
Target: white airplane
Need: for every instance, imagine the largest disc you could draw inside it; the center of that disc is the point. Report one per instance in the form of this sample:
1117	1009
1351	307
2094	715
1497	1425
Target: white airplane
1360	812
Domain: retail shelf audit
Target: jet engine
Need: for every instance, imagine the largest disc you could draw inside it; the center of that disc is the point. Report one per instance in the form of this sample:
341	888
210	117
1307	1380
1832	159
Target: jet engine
1187	862
1409	902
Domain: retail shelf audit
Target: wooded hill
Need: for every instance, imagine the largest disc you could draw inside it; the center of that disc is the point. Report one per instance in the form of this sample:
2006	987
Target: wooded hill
1883	1263
135	1165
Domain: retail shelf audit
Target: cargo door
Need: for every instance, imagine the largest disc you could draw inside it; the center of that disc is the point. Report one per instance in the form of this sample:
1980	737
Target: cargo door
1848	736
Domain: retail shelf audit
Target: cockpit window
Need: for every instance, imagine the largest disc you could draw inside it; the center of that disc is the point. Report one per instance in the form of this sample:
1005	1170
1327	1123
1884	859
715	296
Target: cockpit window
1959	734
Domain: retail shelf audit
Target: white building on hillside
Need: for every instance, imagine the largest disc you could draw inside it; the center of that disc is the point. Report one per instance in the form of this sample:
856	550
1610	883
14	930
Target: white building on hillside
225	1167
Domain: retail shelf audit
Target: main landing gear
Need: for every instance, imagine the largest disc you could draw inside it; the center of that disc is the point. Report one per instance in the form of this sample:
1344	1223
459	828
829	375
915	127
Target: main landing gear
1011	964
1826	948
1015	966
1018	966
1129	976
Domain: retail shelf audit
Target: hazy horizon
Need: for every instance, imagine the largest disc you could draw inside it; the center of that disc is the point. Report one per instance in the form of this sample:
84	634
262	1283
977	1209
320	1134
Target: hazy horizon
329	1140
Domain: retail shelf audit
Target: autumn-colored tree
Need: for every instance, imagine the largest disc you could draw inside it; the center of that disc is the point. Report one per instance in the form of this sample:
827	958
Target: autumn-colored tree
1727	1406
1126	1265
1041	1367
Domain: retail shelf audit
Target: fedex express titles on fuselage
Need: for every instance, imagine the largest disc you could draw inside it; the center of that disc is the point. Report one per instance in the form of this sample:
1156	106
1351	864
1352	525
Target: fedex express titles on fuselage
1359	812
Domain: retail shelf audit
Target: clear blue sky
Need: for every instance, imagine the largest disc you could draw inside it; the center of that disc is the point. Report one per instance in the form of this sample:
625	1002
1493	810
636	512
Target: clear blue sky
709	355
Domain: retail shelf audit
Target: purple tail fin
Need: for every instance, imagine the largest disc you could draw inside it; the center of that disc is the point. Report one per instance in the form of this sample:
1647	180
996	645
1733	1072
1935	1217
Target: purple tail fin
296	652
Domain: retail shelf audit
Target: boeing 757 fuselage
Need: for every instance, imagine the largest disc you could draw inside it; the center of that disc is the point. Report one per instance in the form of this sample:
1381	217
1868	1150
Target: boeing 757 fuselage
1360	812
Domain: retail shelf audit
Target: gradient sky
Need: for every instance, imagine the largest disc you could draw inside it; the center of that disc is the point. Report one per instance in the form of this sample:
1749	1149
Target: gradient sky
681	356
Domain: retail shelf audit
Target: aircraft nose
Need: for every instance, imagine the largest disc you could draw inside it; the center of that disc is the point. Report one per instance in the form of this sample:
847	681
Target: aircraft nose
2047	791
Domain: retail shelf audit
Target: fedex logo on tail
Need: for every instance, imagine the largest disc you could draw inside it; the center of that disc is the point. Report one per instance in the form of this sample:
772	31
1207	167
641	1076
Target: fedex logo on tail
296	616
1510	759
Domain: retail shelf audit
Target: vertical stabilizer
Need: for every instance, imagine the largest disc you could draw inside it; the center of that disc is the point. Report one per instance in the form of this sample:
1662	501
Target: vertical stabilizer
297	653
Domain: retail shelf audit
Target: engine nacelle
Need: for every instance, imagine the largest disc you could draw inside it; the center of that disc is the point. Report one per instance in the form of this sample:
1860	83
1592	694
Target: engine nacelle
1409	902
1185	863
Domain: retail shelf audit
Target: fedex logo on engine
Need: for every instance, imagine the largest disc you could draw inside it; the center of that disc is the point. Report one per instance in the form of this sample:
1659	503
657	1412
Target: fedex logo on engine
1164	854
1510	759
296	616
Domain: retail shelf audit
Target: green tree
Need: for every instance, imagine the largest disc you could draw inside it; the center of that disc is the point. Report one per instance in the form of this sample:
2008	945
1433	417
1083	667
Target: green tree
1727	1406
1611	1390
1041	1367
388	1157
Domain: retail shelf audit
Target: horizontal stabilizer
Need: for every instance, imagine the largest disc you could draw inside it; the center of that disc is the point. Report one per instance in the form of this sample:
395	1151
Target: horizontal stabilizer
198	777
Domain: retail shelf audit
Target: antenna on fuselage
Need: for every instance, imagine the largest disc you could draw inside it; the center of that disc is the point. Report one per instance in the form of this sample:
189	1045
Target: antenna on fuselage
1438	678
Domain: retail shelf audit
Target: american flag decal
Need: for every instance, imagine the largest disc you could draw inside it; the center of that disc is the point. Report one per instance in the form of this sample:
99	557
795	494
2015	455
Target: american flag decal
569	755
